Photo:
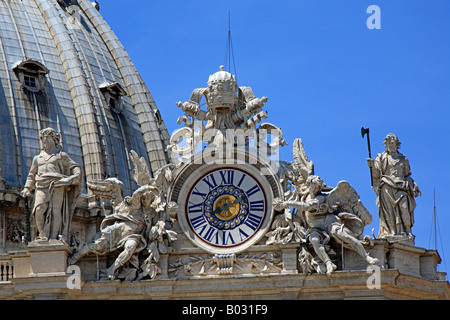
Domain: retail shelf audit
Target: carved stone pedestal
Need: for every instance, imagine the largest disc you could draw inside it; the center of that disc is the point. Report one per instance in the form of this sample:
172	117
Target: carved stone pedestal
47	258
289	255
414	261
40	271
402	256
378	249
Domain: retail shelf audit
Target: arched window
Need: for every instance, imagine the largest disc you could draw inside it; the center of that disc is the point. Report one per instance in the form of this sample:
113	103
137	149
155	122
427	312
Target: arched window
113	93
31	75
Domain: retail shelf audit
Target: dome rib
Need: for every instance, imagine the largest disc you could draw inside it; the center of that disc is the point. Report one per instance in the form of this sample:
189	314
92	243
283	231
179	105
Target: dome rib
13	116
138	93
83	107
98	129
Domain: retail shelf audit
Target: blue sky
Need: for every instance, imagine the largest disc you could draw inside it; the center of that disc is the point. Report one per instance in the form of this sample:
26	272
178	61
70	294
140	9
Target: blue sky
326	75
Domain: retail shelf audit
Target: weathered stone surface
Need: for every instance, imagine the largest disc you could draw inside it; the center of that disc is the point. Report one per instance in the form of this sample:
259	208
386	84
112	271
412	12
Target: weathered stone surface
395	190
136	231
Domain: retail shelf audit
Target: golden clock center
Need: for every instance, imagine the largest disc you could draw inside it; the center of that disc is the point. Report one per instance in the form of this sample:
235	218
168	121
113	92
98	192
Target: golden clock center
230	207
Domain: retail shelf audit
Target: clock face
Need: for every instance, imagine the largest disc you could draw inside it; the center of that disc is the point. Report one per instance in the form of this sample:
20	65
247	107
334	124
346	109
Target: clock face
226	208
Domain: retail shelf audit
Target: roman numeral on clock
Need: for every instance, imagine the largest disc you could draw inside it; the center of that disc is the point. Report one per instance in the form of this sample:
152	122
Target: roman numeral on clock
227	176
257	205
226	236
198	193
253	221
193	208
210	233
253	190
198	221
242	179
210	181
242	233
219	237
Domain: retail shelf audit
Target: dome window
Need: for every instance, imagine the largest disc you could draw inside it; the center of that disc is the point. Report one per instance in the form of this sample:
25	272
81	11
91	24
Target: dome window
31	74
65	3
31	82
158	116
113	94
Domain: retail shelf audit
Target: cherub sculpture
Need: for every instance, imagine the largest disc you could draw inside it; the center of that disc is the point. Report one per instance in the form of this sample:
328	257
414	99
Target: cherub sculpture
137	222
324	213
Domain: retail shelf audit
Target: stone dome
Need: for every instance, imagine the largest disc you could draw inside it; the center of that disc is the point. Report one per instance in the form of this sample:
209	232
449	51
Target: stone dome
61	66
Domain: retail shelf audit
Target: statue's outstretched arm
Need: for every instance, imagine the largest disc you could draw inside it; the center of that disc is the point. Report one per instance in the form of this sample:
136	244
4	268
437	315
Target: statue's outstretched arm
135	200
302	206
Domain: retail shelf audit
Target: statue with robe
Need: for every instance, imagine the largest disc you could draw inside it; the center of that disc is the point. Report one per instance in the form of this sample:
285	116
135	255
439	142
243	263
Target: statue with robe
56	181
395	190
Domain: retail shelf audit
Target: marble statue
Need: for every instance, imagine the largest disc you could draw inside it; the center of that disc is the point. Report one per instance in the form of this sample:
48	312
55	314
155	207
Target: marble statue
395	190
137	222
124	229
56	181
322	213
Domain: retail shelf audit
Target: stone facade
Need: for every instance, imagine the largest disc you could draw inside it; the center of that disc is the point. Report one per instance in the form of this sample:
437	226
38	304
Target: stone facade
409	273
61	67
160	220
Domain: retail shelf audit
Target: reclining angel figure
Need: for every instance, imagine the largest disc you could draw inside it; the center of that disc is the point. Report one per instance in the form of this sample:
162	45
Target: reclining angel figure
124	229
135	224
326	212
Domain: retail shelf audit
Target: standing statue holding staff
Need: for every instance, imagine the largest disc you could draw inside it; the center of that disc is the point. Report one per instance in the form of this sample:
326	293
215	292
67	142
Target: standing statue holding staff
56	180
395	190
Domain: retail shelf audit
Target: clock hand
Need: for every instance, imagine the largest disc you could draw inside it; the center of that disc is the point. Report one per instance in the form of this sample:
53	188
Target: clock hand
237	200
226	206
218	210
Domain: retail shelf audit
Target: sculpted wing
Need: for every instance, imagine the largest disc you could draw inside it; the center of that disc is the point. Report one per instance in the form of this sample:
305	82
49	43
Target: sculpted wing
304	166
164	175
111	188
345	199
141	173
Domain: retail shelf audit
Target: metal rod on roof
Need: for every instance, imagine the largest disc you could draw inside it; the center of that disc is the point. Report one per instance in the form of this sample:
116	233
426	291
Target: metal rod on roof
434	219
